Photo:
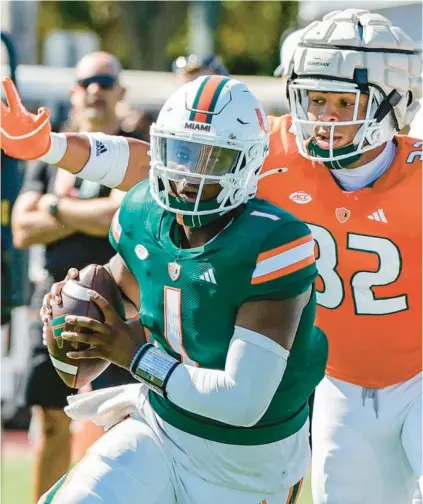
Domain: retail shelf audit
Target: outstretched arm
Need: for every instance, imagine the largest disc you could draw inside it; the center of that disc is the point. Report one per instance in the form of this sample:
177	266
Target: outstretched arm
114	161
79	146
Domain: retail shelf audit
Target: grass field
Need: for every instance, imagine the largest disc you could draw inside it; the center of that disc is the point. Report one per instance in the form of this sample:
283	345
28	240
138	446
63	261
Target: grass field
16	482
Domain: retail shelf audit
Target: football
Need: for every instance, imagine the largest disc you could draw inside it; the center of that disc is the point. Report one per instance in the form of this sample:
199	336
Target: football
75	301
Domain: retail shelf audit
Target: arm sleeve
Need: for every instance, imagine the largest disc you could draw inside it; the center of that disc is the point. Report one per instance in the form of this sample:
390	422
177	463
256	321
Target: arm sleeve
235	396
35	178
285	266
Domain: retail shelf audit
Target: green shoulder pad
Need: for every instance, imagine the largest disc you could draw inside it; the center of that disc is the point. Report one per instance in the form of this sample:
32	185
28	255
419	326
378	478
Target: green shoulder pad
285	266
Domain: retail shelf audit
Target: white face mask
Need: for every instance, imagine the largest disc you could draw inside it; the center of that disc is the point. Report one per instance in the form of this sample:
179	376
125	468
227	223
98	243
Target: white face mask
371	133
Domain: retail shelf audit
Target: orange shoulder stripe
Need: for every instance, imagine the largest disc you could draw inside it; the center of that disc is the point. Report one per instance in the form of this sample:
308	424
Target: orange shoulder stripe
283	248
292	268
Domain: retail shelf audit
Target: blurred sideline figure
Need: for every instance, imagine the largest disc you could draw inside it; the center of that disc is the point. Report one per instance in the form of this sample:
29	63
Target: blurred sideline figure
188	68
134	122
71	217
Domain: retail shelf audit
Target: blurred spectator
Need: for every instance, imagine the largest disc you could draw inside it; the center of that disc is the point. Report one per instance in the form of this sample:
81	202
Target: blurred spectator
134	122
190	67
71	218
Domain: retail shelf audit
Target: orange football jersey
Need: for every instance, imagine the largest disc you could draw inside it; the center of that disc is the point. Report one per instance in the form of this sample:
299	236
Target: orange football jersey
369	256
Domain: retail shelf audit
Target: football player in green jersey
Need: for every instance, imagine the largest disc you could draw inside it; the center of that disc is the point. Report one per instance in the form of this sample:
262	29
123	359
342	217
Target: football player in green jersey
224	287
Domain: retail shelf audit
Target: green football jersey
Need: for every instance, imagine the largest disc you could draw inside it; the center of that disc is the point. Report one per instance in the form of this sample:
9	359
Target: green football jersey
190	299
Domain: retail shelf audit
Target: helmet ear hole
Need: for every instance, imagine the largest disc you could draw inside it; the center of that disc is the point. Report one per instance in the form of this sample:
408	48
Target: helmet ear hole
409	97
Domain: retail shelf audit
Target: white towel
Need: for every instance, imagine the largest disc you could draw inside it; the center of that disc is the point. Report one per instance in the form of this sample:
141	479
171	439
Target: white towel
107	407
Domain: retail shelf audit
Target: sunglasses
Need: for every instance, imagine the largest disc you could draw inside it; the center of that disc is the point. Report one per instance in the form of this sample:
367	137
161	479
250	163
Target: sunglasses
104	81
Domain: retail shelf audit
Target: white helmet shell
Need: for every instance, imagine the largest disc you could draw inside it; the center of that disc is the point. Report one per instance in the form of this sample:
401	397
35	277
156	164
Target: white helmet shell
211	130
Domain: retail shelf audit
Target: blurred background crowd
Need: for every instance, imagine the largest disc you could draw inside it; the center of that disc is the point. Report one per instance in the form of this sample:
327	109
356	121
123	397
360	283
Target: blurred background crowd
107	66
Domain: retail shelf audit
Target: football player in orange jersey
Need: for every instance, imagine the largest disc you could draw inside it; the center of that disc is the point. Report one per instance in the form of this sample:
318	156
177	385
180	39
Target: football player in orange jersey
337	163
354	81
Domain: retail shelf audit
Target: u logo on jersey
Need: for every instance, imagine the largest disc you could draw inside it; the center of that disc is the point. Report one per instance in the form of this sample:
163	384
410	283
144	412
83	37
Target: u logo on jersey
342	214
174	270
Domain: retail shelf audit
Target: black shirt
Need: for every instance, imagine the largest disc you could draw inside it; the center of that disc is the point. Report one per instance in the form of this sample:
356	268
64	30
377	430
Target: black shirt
77	250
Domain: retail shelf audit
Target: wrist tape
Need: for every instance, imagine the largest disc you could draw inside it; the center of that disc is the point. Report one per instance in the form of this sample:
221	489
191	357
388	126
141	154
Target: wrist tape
108	160
152	366
58	146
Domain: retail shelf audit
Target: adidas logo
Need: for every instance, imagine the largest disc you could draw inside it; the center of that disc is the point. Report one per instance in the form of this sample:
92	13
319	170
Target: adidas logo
378	216
100	148
208	276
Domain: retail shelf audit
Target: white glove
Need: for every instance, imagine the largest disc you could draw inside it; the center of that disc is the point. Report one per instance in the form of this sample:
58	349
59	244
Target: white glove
107	407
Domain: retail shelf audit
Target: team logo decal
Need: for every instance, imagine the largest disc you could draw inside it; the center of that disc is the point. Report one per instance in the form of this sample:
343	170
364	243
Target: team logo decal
342	214
58	325
142	252
300	197
174	270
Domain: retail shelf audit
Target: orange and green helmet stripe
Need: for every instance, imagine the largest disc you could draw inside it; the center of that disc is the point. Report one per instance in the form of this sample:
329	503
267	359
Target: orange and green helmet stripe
206	98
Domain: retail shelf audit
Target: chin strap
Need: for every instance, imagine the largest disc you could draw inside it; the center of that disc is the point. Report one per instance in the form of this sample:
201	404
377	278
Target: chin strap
195	221
198	221
316	151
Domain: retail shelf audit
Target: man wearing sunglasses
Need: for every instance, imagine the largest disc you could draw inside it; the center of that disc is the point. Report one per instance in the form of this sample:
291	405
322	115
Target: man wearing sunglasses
96	93
71	218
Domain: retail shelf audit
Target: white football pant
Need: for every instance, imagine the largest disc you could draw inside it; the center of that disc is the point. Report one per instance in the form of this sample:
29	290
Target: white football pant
146	461
367	443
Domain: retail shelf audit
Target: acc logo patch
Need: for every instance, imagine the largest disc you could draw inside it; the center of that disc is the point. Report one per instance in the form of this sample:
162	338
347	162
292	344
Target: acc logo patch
300	197
142	252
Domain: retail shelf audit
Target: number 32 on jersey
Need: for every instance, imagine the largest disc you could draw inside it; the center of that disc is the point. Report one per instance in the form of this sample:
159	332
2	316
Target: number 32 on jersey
361	282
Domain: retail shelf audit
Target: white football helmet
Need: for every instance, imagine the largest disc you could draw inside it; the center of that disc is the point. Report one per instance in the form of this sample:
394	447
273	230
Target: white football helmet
211	130
355	51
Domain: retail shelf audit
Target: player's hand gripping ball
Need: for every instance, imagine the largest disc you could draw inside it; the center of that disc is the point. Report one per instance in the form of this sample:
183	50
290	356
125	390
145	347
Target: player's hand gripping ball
76	299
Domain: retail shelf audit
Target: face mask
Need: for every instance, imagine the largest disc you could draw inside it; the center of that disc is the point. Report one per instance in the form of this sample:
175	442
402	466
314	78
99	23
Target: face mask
317	151
195	221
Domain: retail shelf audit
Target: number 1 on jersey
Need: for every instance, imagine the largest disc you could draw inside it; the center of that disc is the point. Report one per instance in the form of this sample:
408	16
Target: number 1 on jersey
173	323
